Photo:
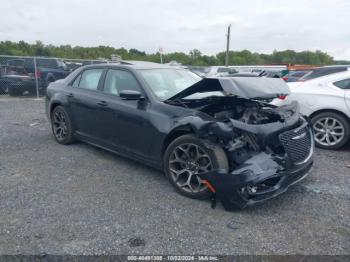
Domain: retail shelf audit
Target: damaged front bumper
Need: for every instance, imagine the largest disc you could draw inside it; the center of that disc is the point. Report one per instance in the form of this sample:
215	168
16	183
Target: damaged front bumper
261	177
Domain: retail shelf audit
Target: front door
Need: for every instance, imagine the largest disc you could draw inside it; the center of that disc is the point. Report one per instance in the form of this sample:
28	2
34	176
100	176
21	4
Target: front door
125	123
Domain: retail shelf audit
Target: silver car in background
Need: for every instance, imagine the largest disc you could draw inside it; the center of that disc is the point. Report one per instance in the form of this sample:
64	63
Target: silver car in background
326	101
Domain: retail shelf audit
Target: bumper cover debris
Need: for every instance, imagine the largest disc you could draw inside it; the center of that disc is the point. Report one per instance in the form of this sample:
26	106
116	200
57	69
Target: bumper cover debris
256	180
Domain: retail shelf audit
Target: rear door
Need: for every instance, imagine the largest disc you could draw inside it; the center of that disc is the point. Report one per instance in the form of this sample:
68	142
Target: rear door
345	85
347	99
84	97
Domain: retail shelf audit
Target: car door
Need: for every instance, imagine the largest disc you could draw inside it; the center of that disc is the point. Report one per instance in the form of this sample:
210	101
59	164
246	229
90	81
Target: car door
83	99
345	85
347	98
124	123
347	95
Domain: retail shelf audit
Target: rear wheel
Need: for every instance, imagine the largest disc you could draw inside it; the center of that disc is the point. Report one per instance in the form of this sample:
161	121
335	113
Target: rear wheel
15	91
188	156
332	130
61	126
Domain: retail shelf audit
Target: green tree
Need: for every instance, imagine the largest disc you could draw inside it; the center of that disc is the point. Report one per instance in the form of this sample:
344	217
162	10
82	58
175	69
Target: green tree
195	57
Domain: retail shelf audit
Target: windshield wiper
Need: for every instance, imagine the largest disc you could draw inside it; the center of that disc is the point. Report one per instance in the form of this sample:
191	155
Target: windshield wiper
176	102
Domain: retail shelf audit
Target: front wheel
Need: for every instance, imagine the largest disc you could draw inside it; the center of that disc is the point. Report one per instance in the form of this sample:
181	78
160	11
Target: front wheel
188	156
332	130
61	126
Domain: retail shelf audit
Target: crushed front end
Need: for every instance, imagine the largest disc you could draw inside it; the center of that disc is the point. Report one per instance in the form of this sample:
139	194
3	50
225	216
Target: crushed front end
269	149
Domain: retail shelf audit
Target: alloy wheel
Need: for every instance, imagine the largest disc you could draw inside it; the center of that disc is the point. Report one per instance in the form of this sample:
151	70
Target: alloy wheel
59	124
328	131
185	162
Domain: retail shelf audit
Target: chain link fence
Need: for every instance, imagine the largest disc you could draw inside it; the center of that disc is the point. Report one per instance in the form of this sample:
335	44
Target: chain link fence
30	76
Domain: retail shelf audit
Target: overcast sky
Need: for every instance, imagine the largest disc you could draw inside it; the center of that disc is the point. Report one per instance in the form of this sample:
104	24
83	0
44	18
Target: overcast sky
179	25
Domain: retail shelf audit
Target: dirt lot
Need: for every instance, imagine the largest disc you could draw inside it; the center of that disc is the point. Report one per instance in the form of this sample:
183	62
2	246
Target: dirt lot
81	200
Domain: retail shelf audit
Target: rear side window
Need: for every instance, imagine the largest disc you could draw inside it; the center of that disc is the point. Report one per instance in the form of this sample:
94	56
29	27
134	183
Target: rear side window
119	80
49	63
323	72
343	84
89	79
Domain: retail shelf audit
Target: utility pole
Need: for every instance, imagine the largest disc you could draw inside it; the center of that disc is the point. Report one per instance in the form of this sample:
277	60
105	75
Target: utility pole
228	44
161	54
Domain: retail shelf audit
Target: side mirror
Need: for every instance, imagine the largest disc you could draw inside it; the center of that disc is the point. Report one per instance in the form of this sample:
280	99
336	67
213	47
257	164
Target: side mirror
130	95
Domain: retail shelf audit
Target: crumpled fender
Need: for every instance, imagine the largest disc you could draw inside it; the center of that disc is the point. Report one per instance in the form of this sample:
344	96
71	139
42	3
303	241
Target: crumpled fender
204	127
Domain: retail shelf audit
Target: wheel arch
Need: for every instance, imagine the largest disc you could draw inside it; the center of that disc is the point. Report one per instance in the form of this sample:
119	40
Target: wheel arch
175	133
330	110
52	107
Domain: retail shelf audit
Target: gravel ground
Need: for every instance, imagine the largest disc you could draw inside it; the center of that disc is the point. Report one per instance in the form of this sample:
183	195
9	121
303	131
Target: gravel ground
78	199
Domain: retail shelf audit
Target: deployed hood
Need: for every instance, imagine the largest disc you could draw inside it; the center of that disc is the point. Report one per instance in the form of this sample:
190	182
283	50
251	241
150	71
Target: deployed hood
243	87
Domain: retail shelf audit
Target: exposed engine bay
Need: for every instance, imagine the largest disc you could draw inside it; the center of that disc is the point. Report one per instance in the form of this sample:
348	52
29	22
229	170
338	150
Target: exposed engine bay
250	112
268	148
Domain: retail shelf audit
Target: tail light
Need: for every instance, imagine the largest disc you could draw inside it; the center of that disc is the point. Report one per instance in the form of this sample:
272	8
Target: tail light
38	74
282	97
285	78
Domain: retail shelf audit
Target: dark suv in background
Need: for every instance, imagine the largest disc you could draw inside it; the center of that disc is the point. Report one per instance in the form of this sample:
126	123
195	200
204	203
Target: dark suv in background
18	75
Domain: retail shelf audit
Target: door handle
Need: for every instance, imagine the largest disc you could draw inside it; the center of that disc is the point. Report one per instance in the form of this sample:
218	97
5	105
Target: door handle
102	103
70	95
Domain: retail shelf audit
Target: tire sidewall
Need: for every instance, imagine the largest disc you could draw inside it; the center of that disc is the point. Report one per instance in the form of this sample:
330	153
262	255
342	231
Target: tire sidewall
14	91
70	132
338	117
208	147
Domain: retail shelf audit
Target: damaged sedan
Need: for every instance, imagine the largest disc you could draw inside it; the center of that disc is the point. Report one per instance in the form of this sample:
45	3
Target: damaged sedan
215	138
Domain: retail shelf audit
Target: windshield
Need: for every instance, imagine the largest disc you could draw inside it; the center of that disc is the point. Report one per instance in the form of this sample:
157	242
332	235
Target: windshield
166	83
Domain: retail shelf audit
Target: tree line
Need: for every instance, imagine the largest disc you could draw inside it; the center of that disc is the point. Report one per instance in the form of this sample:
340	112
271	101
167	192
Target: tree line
194	57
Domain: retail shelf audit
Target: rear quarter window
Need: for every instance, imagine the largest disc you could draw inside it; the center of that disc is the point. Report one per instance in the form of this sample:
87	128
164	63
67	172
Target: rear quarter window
343	84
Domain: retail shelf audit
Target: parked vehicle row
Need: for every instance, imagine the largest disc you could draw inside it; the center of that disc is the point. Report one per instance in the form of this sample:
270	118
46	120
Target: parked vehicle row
326	100
304	75
20	75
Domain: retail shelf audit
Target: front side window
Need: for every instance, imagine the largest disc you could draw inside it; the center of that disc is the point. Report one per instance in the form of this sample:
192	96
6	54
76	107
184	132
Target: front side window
343	84
89	79
166	83
76	81
119	80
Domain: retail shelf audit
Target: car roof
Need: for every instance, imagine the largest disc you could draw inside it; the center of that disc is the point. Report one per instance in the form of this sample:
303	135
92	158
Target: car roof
134	64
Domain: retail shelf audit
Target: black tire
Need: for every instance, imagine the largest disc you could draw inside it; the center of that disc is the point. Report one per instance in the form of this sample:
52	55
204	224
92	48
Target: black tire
32	92
3	88
341	119
49	80
15	91
61	125
216	154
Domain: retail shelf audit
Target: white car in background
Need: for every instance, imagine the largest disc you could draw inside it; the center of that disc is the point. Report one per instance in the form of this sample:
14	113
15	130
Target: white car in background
326	101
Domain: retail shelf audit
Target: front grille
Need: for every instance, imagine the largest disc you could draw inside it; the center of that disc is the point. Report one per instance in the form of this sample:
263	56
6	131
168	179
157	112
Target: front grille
297	143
